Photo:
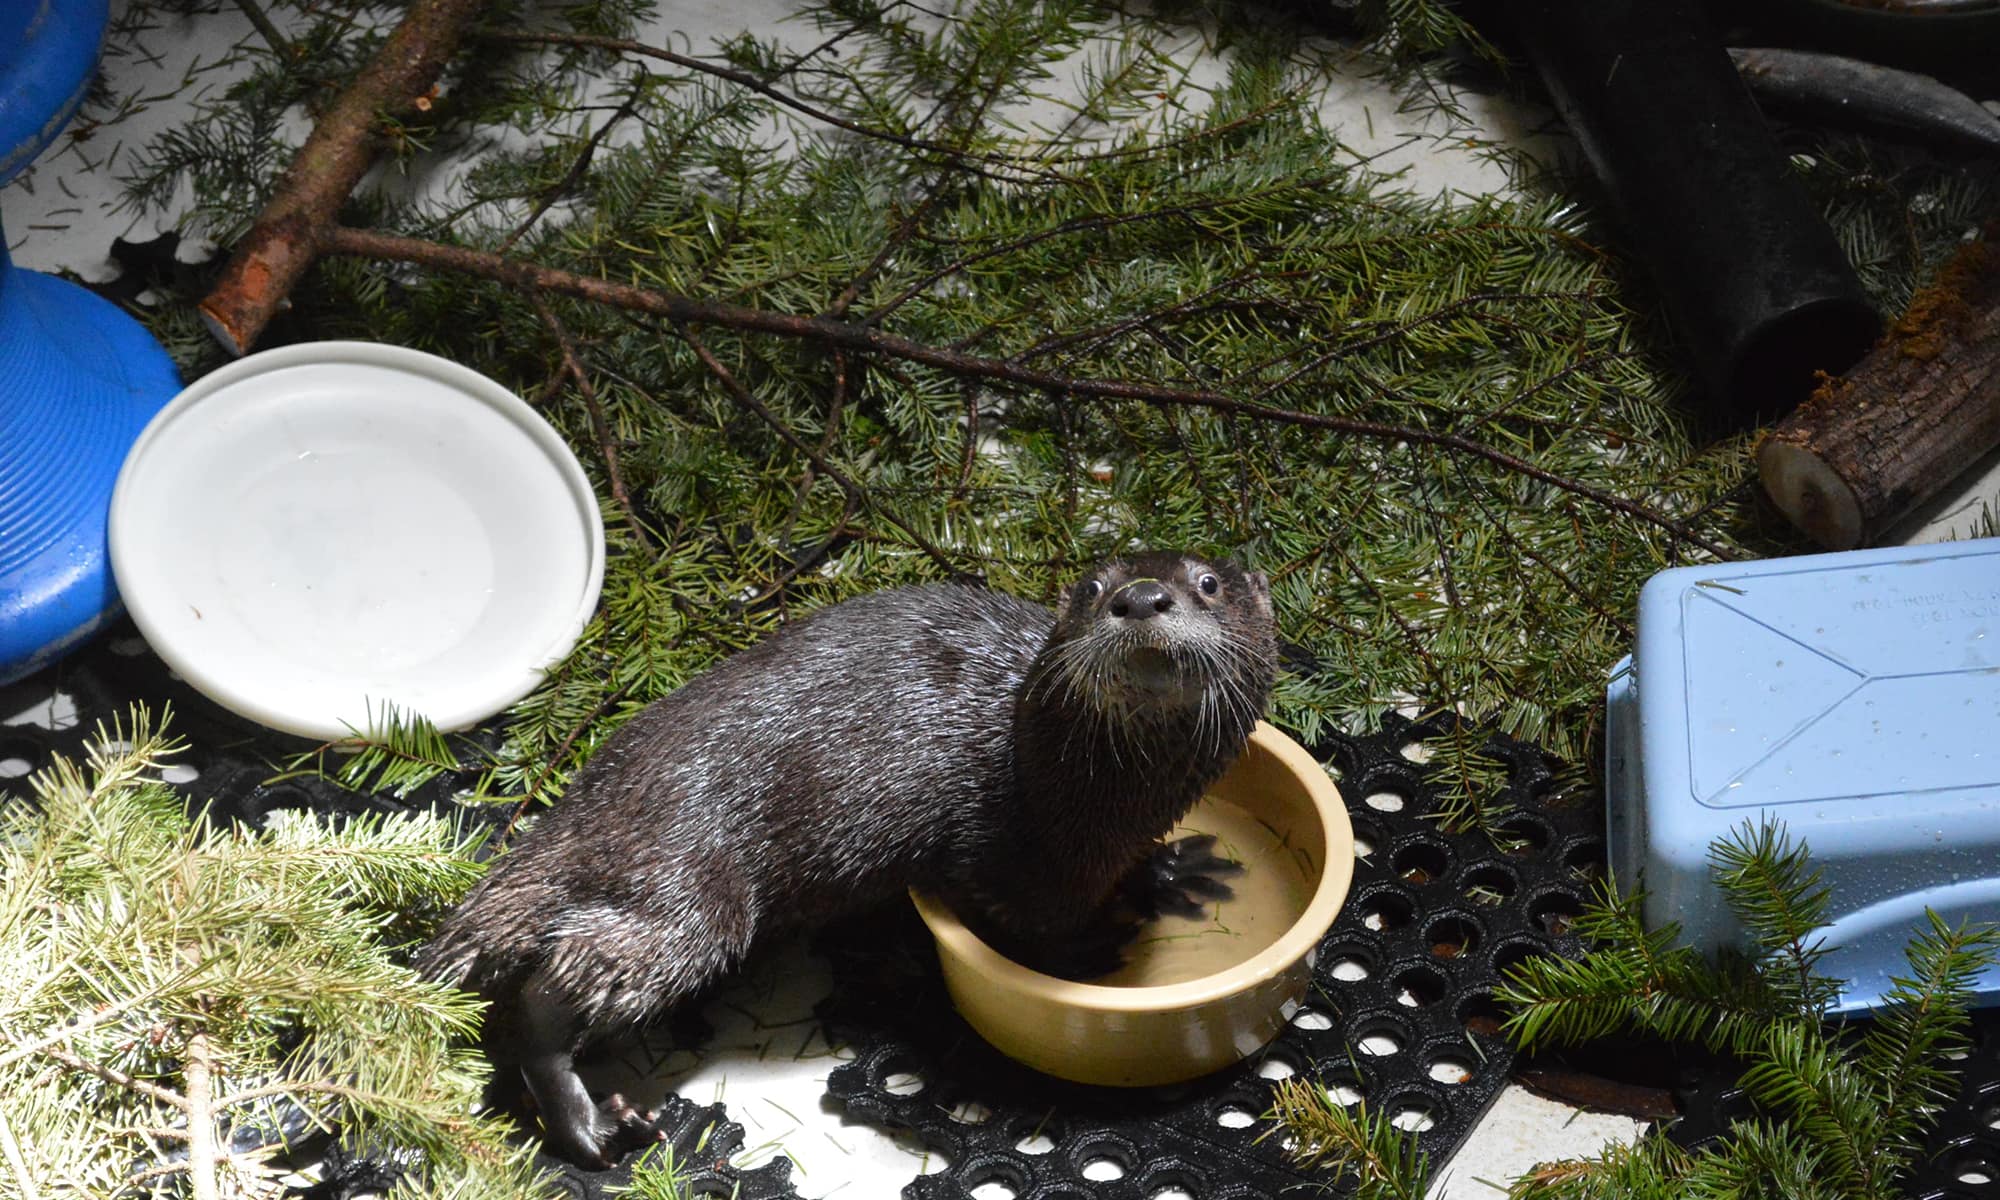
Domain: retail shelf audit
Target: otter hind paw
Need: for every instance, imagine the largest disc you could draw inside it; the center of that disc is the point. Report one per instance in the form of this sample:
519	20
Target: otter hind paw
1184	877
625	1127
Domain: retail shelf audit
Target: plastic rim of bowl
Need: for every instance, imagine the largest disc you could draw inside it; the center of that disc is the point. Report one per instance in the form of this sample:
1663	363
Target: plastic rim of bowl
1298	940
311	533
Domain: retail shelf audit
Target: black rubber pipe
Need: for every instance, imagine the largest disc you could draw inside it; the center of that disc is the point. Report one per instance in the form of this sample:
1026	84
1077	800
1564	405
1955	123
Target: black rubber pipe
1752	280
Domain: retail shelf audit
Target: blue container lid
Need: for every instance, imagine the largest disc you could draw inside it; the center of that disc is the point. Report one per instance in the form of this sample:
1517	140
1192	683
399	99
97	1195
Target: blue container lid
1814	680
1854	697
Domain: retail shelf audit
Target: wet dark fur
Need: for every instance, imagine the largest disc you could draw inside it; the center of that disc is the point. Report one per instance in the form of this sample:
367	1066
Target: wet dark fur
1018	762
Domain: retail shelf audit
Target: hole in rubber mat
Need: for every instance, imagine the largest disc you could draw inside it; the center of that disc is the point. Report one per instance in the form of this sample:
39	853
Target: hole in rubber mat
1522	836
1451	937
1411	1112
1422	862
1449	1070
1489	886
1481	1014
1386	801
1419	987
1383	911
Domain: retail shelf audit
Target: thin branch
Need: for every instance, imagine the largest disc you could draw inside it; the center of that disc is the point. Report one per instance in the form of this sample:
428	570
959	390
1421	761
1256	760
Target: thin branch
112	1075
1081	225
576	171
599	427
971	162
825	467
204	1152
70	1028
862	339
266	29
556	756
276	251
167	1170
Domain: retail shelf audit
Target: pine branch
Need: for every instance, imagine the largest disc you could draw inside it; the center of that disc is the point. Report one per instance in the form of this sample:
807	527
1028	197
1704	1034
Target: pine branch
947	154
192	952
393	751
855	493
1779	896
1923	1021
606	445
279	248
10	1147
689	310
1380	1160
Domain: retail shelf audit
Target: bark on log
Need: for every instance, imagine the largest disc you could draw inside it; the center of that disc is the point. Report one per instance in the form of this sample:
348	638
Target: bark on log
282	244
1899	426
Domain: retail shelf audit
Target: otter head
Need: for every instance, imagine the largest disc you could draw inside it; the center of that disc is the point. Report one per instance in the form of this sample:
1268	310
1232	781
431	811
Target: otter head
1159	633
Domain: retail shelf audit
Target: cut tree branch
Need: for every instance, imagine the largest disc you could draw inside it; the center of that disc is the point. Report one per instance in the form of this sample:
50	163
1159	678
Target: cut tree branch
281	245
862	339
1905	420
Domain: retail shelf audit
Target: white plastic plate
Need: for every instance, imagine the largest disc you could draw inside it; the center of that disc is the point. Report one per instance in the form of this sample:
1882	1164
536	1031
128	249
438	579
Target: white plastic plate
311	533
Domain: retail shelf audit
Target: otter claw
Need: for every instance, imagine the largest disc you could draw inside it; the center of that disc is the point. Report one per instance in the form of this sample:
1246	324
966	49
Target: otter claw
621	1127
1184	874
1196	852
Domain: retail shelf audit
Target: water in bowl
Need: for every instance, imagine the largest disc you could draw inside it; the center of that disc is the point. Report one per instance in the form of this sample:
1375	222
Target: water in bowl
1272	892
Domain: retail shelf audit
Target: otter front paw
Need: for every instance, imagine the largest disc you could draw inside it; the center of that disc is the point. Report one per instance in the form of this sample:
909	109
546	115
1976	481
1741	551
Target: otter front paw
1182	878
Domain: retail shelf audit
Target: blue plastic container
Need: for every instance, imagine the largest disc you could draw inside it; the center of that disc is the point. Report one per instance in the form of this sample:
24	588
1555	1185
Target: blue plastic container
78	378
1856	698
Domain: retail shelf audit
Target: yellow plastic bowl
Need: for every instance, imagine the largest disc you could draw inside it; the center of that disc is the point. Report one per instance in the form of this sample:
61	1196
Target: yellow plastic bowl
1139	1036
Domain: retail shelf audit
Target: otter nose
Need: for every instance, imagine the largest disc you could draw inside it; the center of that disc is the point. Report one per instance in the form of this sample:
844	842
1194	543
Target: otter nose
1140	599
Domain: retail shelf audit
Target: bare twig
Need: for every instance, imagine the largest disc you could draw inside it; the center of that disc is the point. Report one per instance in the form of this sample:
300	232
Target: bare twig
549	766
576	171
683	310
204	1152
599	427
112	1075
265	29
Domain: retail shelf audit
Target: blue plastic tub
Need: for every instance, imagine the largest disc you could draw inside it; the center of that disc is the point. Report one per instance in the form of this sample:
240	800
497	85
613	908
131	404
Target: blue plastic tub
1855	697
78	378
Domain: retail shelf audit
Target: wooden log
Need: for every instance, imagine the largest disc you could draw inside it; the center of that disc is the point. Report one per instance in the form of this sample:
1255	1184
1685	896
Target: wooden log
1899	426
285	239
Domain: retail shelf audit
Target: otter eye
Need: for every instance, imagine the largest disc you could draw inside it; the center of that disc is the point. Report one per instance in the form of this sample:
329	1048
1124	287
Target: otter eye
1208	584
1093	588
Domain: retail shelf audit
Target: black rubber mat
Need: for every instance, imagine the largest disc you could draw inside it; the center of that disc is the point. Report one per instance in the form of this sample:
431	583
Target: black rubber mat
1400	1013
1399	1016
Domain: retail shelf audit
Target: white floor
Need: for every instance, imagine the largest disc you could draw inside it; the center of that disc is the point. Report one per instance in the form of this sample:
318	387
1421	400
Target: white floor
767	1062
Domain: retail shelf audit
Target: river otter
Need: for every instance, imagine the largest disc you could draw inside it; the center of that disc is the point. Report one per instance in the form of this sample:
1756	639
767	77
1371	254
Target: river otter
1021	764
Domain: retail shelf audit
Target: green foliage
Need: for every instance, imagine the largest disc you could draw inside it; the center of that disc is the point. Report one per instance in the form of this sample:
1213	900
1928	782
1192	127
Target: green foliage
1364	1151
1046	186
163	980
395	751
658	1175
1840	1114
1038	184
